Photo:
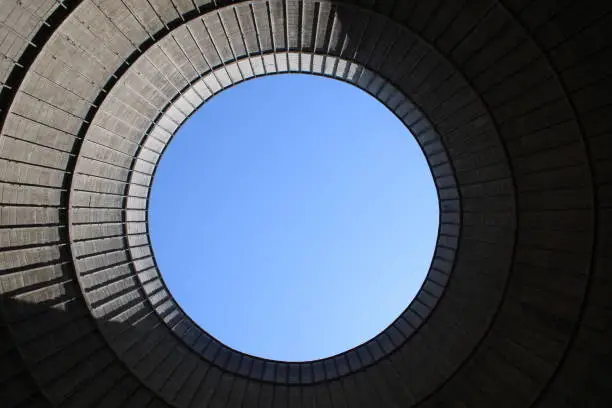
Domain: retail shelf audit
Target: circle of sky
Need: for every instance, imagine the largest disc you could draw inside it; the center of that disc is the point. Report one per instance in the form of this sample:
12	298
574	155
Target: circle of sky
293	217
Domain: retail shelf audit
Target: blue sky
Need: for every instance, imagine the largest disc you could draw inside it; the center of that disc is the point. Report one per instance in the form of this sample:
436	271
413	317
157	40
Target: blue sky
293	217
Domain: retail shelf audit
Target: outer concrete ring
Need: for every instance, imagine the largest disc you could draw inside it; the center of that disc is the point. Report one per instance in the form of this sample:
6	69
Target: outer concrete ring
517	93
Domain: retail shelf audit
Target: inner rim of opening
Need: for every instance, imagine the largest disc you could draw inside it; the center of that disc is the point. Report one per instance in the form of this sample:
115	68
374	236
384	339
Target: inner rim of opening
355	95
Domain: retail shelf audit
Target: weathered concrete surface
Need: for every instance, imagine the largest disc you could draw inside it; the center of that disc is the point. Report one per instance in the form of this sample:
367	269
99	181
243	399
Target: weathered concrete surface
510	101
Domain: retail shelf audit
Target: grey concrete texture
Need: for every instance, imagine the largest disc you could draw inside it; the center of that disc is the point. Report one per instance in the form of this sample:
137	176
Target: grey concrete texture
509	100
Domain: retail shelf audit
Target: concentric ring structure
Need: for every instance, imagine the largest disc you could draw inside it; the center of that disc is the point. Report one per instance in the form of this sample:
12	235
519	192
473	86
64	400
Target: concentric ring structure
510	100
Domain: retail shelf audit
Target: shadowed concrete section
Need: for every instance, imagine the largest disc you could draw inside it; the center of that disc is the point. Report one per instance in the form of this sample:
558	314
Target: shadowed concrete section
510	101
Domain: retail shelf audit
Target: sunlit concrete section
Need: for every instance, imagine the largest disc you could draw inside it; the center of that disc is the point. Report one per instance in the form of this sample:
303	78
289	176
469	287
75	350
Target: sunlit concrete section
509	101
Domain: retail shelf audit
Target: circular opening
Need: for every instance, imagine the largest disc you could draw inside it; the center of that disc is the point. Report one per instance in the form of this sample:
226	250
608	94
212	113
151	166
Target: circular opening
293	217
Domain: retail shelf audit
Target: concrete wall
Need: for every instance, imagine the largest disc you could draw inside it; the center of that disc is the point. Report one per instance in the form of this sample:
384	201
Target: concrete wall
508	99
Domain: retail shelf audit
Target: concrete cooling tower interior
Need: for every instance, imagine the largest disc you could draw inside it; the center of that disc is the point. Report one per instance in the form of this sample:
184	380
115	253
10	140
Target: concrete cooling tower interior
510	101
